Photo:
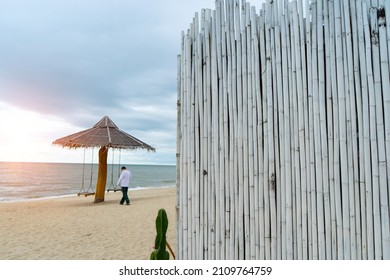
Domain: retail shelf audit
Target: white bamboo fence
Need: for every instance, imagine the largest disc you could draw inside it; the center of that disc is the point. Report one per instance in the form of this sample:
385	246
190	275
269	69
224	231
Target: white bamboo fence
283	144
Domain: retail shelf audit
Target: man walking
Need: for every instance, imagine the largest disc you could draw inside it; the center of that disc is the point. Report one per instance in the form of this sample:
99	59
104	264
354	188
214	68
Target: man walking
124	182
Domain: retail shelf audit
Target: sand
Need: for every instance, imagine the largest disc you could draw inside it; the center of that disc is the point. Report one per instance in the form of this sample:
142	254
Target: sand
75	228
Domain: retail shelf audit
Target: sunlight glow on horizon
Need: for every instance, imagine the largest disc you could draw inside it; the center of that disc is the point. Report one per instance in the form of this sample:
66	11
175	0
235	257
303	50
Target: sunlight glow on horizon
27	136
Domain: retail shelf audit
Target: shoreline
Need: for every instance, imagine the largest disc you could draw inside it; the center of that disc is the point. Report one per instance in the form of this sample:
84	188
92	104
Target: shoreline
75	194
75	228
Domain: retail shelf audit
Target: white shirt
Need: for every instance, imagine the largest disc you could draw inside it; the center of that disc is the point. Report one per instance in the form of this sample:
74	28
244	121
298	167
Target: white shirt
124	179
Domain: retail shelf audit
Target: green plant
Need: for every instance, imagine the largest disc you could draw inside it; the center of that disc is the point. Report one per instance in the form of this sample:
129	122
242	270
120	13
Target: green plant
160	252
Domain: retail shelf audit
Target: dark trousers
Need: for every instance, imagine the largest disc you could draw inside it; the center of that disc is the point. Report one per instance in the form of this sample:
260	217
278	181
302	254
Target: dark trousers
124	196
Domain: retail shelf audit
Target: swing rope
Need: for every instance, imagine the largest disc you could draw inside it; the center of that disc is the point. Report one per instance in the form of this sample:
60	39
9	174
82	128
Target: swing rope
113	186
89	190
112	169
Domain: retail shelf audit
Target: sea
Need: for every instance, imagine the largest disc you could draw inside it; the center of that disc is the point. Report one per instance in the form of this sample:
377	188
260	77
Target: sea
31	181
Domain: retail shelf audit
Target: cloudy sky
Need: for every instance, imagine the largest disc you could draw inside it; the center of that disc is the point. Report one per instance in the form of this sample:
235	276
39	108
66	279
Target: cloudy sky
66	64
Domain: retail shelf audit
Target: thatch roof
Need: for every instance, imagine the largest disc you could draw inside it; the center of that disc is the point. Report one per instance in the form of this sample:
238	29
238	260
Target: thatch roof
104	133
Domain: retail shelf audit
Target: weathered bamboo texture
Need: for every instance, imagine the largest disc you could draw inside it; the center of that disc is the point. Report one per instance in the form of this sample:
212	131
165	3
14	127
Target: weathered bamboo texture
283	148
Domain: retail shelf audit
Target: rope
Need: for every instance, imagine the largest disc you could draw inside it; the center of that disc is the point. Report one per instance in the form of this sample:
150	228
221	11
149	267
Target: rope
90	180
113	186
90	190
112	169
119	163
82	182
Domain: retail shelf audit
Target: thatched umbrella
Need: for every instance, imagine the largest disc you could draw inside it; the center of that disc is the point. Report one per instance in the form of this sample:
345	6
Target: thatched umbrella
105	134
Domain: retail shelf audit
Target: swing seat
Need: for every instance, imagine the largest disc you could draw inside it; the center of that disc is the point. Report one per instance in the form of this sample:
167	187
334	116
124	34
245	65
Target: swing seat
85	193
114	190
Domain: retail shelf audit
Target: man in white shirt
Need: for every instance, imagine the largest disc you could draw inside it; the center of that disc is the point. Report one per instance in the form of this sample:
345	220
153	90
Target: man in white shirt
124	182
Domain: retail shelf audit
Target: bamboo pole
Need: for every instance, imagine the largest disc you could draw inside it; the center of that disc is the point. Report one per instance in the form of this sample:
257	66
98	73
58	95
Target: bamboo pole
373	141
342	130
207	137
184	166
304	142
240	147
361	178
366	136
260	113
251	132
178	155
254	89
231	59
234	35
180	252
216	115
336	161
295	142
225	139
380	133
318	229
385	83
202	111
243	193
268	142
208	158
272	128
331	217
324	203
287	230
264	222
310	136
198	195
281	172
292	144
255	112
301	193
191	144
351	132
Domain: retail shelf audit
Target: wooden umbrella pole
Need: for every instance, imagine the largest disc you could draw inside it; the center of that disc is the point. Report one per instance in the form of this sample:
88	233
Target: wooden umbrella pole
102	175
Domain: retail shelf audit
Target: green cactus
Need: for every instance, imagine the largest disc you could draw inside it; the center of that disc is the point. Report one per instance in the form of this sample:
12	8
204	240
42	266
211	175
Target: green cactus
160	252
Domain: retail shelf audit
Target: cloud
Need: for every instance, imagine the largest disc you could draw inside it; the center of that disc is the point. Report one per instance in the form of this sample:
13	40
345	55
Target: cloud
81	60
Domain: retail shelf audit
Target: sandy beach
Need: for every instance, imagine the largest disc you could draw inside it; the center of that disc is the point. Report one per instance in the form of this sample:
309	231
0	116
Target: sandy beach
75	228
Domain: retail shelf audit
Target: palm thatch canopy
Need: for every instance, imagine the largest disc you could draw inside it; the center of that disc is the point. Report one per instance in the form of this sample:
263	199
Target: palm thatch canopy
104	133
